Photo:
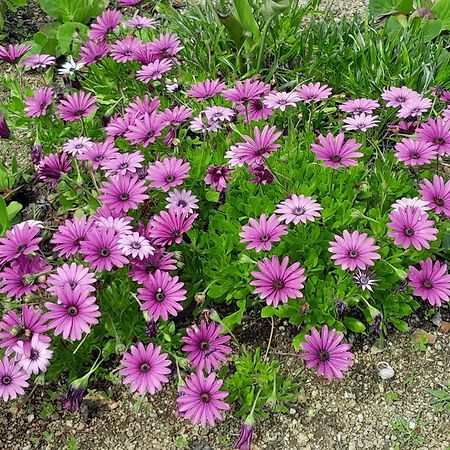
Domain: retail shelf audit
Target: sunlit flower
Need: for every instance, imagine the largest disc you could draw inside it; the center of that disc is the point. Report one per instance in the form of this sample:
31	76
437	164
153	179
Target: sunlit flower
431	282
326	351
298	208
336	151
360	122
39	61
313	92
261	234
145	368
205	89
359	106
38	104
76	106
436	194
201	399
182	200
413	153
162	295
437	134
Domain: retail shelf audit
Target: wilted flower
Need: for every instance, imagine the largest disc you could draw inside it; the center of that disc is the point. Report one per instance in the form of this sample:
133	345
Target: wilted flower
73	397
5	132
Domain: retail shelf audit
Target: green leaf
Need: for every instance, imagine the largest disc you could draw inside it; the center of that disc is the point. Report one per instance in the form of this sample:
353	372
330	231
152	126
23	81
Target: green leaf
430	29
13	209
216	291
234	28
4	219
236	318
246	18
401	325
442	10
386	7
354	325
268	311
212	196
67	32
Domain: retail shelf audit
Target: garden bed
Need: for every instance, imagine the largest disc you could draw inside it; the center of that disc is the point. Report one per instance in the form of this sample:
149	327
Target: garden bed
231	228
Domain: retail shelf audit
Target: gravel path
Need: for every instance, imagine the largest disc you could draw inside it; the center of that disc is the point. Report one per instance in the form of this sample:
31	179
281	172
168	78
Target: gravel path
361	412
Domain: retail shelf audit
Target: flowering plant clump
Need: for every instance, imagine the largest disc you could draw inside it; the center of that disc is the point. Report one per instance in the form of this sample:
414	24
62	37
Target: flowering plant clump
177	194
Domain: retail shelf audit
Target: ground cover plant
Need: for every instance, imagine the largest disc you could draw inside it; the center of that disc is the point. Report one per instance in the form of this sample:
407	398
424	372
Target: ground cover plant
185	190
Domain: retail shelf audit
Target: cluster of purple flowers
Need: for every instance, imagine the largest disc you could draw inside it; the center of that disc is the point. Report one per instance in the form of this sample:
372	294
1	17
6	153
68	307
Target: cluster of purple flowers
111	238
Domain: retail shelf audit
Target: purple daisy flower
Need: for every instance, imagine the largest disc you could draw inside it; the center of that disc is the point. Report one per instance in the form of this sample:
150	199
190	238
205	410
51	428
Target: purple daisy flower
261	234
77	146
431	283
38	104
33	356
359	106
365	279
145	130
313	92
437	134
411	226
414	108
122	225
40	61
145	368
219	114
139	22
13	379
20	240
75	313
354	250
414	153
123	50
437	194
360	122
205	347
177	115
76	105
325	351
92	52
68	237
122	193
167	45
24	276
162	295
245	91
168	173
154	70
101	249
254	110
201	124
140	270
254	150
104	24
53	167
135	246
336	151
281	100
261	174
12	53
72	276
277	281
201	399
298	208
15	328
218	177
415	202
205	89
99	152
182	200
143	105
399	96
168	227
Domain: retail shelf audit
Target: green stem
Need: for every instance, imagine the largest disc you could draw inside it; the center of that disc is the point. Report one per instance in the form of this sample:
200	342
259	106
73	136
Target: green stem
262	43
